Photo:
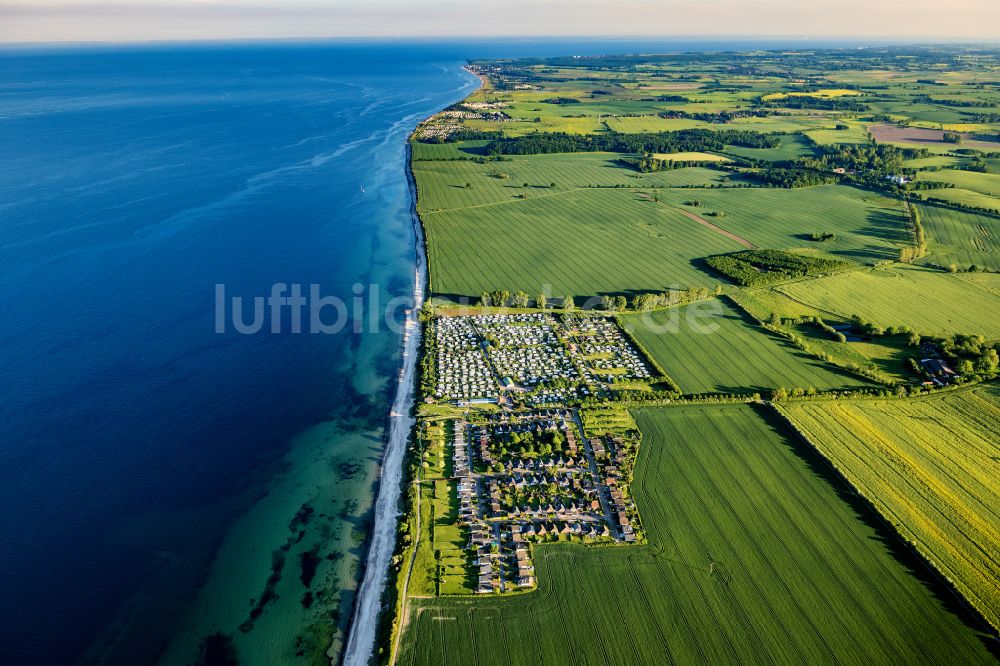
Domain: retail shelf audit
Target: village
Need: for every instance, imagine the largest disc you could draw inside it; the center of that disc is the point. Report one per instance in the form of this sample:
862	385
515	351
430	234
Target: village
533	477
531	359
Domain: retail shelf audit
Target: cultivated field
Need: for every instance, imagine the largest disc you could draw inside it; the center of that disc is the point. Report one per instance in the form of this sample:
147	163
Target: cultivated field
740	569
930	466
928	301
868	227
856	132
691	157
792	147
961	237
735	357
986	183
581	242
442	184
926	137
652	124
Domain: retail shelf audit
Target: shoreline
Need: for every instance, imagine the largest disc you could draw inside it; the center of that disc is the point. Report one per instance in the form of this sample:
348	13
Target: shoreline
382	538
381	542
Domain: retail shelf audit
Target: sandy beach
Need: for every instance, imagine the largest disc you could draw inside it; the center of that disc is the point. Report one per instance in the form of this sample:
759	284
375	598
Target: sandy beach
382	542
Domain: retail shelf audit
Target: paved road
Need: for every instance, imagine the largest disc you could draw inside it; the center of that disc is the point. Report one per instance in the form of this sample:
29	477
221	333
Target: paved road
605	501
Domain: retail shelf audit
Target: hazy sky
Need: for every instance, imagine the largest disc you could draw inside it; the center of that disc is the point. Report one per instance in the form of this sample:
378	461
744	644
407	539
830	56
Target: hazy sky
86	20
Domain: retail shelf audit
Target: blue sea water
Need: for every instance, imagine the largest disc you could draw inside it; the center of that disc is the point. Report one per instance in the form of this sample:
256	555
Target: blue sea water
132	181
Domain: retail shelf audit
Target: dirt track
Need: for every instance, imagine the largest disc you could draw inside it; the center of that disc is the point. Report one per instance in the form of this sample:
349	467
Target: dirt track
728	234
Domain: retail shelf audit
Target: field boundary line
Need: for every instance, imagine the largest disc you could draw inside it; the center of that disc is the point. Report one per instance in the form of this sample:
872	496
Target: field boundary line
886	521
714	227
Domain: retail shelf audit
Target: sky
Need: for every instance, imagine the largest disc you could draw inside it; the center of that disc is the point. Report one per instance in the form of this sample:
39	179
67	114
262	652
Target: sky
136	20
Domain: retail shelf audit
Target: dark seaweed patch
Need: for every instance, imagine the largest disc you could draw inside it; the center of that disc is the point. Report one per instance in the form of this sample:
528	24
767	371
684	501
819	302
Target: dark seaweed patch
308	562
269	595
348	470
217	649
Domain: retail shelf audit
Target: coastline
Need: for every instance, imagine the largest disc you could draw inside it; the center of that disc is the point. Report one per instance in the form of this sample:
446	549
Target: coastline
382	539
364	626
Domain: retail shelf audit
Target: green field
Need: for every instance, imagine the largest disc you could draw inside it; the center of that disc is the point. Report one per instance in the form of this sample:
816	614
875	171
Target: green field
441	562
868	227
755	549
736	356
986	183
792	147
753	558
581	242
636	125
930	466
855	133
447	151
442	184
961	237
935	161
963	197
928	301
885	355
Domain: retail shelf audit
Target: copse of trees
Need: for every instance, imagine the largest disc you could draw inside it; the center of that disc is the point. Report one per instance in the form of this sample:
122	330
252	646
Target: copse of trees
789	178
816	102
652	301
751	268
971	354
878	160
614	303
691	140
919	248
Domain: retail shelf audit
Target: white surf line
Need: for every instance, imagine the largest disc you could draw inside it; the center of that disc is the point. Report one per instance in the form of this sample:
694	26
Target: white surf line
361	636
367	602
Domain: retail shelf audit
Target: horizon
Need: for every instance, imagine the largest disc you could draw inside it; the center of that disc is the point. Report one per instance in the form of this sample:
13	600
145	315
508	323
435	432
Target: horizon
98	21
767	42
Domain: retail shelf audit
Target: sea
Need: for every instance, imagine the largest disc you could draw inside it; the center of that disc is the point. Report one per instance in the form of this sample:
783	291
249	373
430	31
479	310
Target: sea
177	485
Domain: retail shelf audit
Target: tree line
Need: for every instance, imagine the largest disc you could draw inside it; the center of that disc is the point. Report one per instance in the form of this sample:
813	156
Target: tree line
690	140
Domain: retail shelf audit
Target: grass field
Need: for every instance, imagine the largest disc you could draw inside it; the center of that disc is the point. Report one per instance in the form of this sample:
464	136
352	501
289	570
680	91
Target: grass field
964	197
885	355
741	568
961	237
868	227
737	357
928	301
986	183
581	242
637	125
792	146
441	561
447	151
933	161
789	123
930	466
442	184
856	132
